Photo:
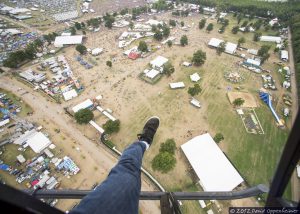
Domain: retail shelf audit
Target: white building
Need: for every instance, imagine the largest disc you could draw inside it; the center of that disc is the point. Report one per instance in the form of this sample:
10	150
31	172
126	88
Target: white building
60	41
284	55
276	39
154	22
210	164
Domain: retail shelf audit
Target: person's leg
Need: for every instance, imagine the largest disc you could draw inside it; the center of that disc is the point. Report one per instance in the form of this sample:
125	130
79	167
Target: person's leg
119	193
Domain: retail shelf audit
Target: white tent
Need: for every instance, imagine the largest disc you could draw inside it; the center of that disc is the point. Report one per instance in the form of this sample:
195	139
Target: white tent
4	122
154	22
230	48
158	62
86	104
195	77
284	55
70	94
38	142
60	41
151	74
276	39
212	167
215	42
177	85
97	51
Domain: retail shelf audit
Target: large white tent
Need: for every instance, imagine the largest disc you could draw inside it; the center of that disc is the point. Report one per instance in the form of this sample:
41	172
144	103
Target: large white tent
68	95
86	104
158	62
212	167
60	41
38	142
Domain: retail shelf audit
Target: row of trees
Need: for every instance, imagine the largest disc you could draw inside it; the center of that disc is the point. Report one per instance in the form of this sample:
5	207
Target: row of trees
295	28
283	10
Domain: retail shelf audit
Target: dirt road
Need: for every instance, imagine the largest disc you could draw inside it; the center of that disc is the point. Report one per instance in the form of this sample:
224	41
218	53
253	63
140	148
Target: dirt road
46	109
295	181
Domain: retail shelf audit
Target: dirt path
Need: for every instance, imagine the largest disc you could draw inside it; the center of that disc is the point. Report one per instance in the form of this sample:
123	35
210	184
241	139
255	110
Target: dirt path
46	109
295	180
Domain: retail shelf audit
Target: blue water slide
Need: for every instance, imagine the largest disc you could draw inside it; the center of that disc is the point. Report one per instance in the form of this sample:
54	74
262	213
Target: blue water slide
266	98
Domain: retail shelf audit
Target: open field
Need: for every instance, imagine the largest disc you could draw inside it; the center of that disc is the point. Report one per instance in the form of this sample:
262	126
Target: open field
133	100
250	101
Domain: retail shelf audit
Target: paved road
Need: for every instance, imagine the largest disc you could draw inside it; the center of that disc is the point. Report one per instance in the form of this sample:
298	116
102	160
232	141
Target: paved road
294	181
54	111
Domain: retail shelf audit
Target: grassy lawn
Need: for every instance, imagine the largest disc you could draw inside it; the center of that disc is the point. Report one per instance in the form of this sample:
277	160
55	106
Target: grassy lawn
25	108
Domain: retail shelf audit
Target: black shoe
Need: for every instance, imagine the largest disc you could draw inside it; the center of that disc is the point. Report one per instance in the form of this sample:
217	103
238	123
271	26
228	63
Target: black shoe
149	130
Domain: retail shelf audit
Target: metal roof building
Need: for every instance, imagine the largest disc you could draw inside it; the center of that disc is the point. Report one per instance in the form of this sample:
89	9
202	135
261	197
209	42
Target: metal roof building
210	164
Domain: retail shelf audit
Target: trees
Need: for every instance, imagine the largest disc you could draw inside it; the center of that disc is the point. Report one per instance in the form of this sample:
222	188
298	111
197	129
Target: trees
131	25
158	35
168	146
263	52
111	126
182	23
241	40
209	27
218	137
143	46
172	22
169	43
73	30
163	162
194	90
108	23
202	23
245	23
109	63
221	48
168	69
166	31
183	40
77	25
238	102
235	29
199	58
256	36
84	116
81	49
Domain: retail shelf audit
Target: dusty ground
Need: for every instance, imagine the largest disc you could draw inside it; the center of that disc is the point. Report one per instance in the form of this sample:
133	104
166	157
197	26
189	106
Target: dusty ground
250	101
103	6
133	100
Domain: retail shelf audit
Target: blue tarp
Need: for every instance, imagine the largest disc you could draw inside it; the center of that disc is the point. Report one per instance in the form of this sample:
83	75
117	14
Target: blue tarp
4	167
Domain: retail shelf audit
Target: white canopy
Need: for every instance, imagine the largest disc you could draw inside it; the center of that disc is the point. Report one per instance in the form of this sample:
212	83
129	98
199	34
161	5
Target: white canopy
212	167
177	85
38	142
60	41
159	61
70	94
153	73
86	104
195	77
